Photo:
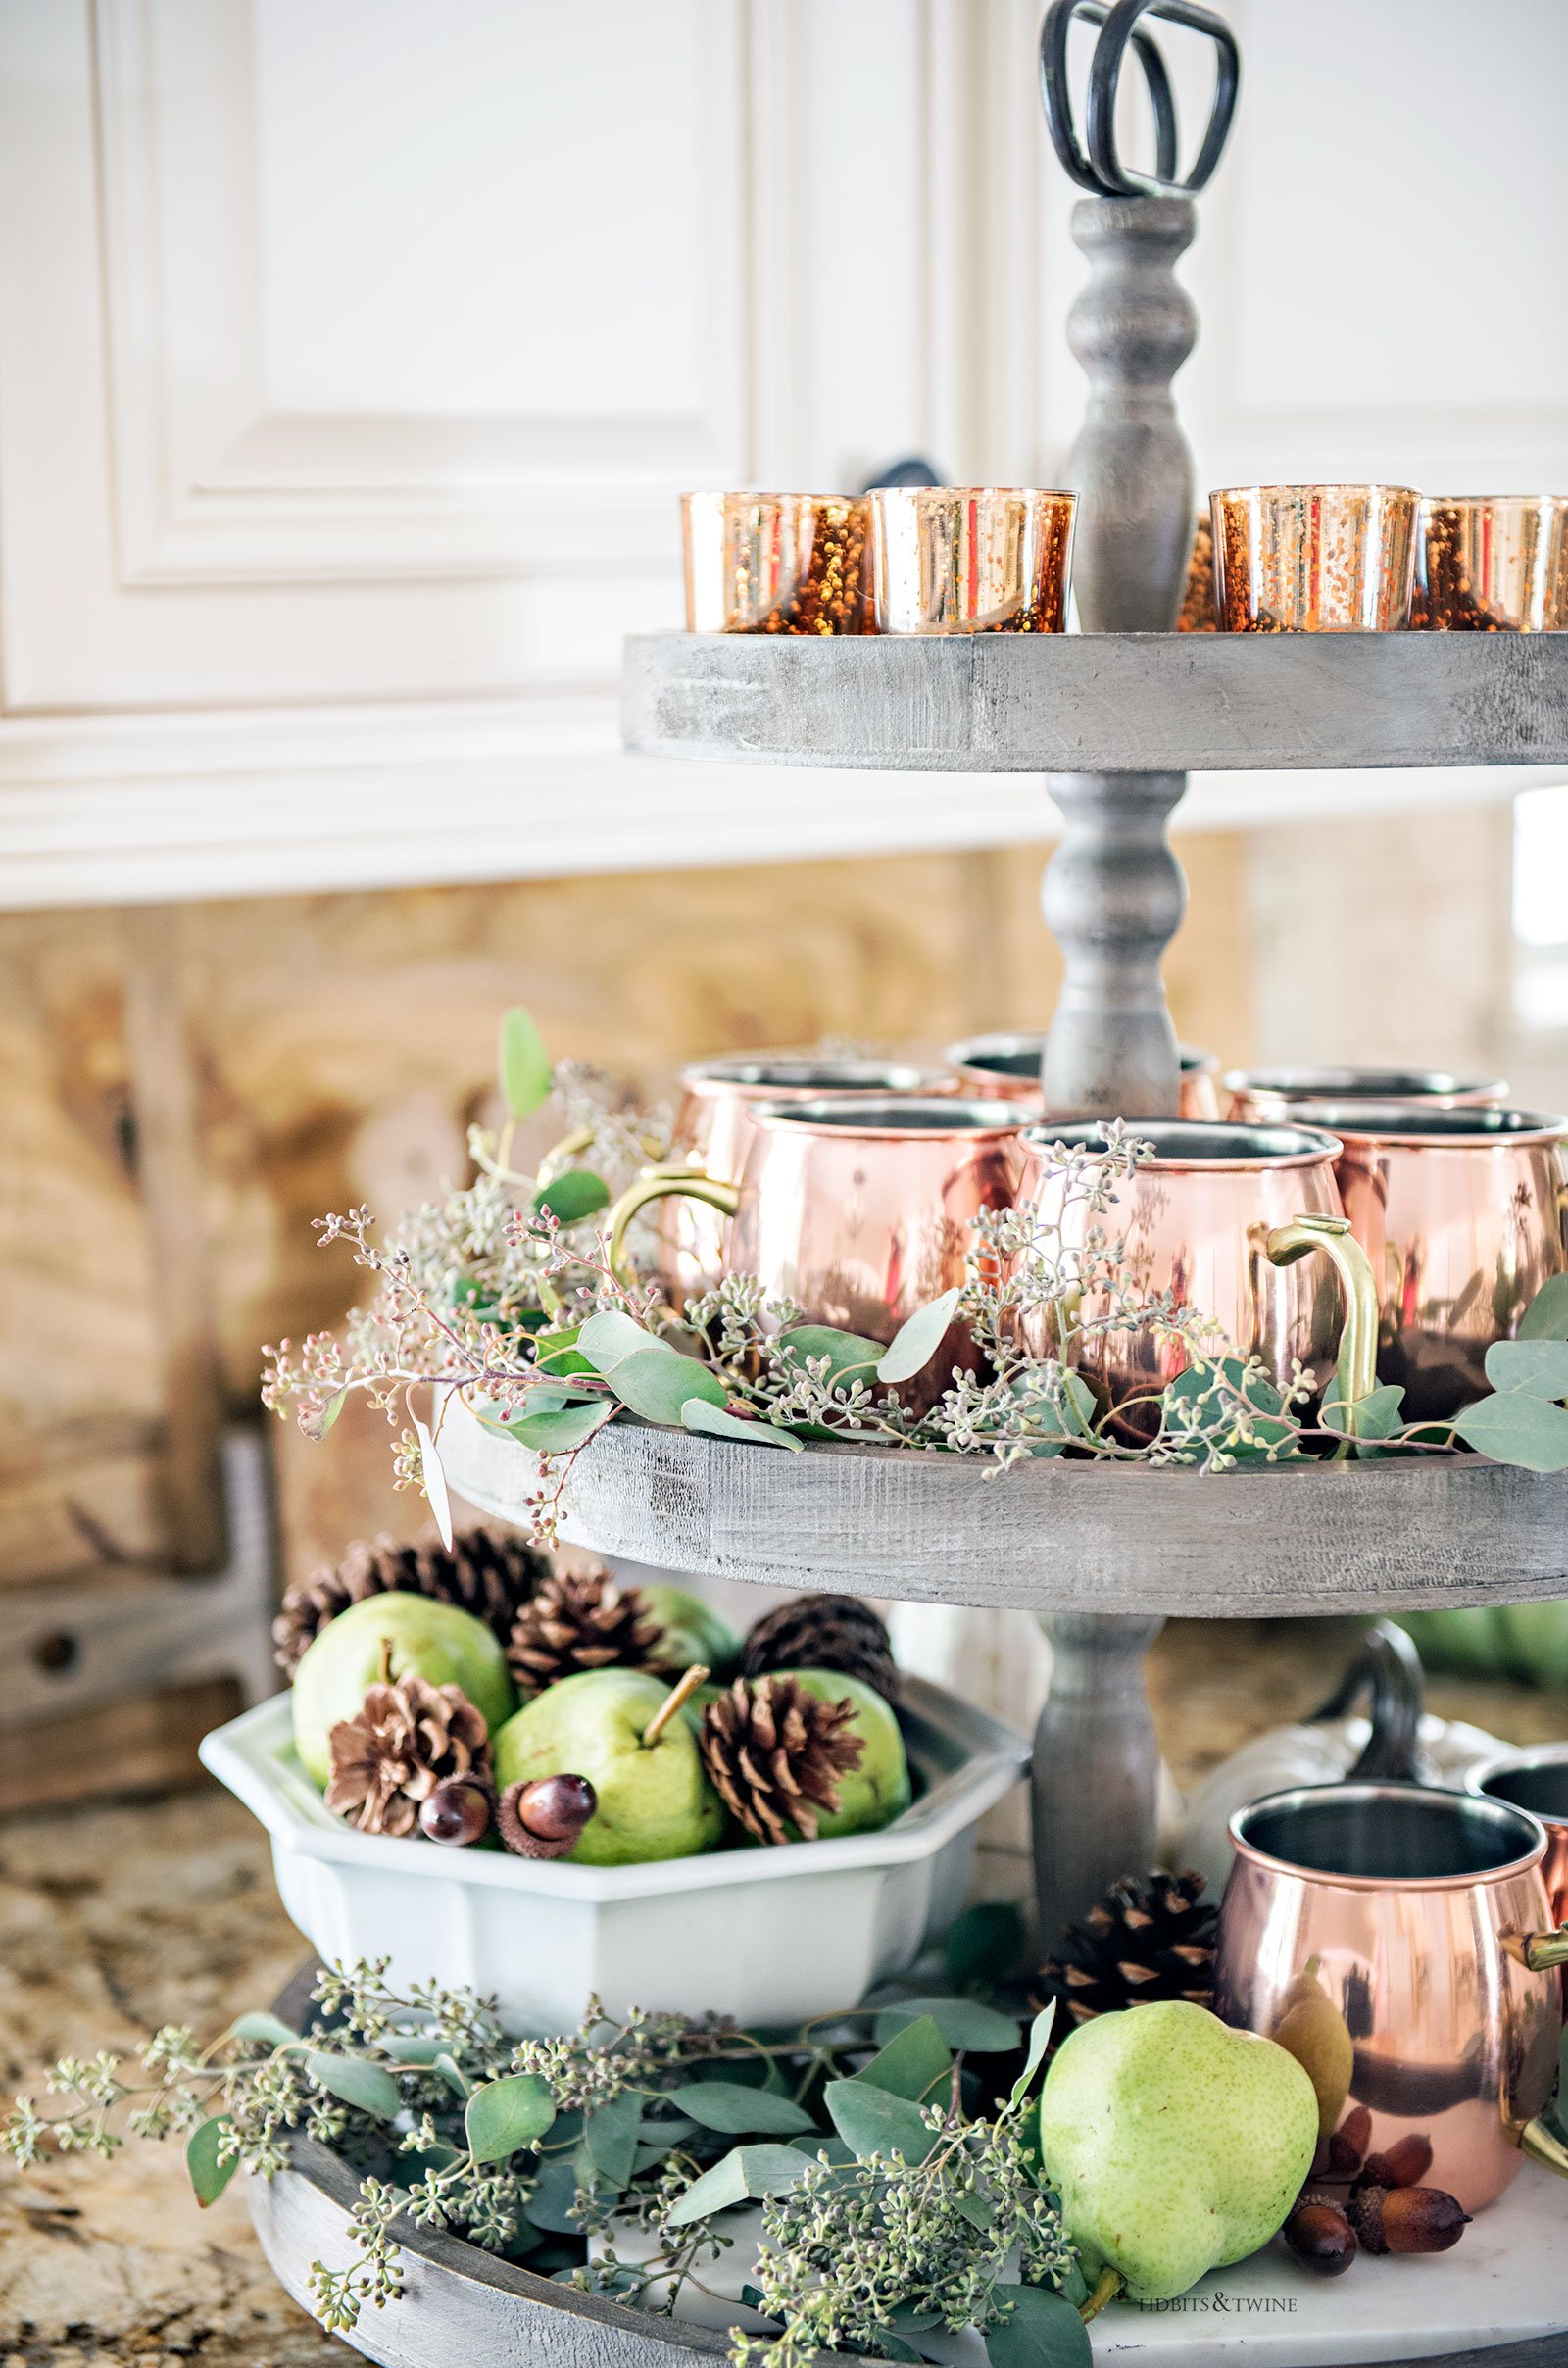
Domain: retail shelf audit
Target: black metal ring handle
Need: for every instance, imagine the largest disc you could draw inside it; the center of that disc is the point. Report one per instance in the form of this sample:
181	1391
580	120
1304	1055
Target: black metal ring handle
1389	1666
1101	170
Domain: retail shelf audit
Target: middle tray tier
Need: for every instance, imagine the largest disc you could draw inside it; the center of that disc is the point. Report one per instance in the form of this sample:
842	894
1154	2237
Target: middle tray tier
1046	1535
1101	702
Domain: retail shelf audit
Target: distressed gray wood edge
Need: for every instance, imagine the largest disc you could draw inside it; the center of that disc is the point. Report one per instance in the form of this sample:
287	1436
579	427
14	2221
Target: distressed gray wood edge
1101	702
1046	1536
461	2308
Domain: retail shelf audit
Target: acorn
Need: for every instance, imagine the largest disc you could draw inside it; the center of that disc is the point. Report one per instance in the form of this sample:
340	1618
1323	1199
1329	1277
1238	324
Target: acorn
1407	2219
458	1810
1406	2163
1321	2237
1347	2144
544	1819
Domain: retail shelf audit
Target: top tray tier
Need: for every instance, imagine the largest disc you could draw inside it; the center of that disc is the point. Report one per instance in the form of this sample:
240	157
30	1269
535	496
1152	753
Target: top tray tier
1101	702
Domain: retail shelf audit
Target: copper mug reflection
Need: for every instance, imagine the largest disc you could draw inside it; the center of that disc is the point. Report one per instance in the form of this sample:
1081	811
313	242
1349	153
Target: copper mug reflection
1007	1067
1464	1213
1263	1096
860	1209
1422	1919
1535	1778
1222	1217
713	1133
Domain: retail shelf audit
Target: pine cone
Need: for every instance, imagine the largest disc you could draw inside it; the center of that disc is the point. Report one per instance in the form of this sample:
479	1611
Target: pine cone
580	1623
1142	1942
392	1756
490	1572
823	1632
775	1753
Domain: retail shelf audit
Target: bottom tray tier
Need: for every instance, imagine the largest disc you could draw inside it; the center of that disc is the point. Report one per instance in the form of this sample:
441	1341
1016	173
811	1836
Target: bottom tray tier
1498	2300
1046	1535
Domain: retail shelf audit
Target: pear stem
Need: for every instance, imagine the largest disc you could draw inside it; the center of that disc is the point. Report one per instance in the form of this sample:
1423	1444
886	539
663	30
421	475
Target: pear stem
386	1661
678	1694
1107	2291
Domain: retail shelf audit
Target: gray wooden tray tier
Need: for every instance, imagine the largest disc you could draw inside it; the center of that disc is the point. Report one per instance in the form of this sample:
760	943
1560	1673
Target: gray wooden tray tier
1048	1536
1101	702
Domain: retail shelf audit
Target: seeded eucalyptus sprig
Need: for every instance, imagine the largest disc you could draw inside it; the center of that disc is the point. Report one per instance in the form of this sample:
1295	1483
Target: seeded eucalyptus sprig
889	2208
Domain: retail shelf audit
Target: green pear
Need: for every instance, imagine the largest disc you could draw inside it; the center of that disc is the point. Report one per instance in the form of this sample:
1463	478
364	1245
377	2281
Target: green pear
876	1792
402	1636
1175	2144
691	1631
655	1797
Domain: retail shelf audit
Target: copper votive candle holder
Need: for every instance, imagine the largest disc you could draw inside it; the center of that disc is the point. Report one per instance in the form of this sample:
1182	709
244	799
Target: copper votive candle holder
970	558
1492	563
776	562
1314	559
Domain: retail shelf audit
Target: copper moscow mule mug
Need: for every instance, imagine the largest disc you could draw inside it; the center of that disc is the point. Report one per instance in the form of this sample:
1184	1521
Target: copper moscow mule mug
1262	1096
1006	1067
860	1208
1219	1218
712	1132
1535	1778
1421	1919
1465	1214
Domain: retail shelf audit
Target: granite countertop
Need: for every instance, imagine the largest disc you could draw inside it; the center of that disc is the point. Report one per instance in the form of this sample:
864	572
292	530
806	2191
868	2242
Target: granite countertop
114	1920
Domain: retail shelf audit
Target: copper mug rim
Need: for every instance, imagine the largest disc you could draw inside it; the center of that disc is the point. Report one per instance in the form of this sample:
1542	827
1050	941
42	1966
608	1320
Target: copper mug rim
1349	1084
1002	1045
1523	1759
1211	1145
1468	1127
767	1075
889	1117
1521	1824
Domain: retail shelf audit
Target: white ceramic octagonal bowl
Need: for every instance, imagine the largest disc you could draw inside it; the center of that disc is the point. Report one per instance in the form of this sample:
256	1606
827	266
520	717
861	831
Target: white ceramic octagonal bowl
767	1936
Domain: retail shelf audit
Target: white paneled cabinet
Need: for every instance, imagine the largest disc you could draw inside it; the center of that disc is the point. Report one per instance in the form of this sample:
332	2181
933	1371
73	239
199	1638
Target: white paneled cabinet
353	354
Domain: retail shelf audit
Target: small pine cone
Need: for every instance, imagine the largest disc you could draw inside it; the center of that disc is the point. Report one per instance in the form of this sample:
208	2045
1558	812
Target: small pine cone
490	1572
775	1753
1142	1942
394	1753
823	1632
580	1623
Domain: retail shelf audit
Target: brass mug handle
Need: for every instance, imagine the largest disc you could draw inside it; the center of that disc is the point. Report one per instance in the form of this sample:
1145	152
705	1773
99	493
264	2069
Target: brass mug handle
1541	1951
670	1181
1357	1371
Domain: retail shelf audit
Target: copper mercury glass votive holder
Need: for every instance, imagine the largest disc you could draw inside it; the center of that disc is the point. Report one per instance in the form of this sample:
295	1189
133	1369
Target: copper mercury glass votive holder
776	562
1492	563
1314	559
970	558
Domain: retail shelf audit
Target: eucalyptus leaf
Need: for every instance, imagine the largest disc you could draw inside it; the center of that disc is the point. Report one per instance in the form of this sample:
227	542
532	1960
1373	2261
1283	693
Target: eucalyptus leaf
917	1339
317	1426
1515	1428
1039	2042
914	2060
558	1353
552	2202
559	1431
1376	1415
456	2079
985	1943
419	2049
656	1382
1042	2331
871	2122
432	1473
740	2177
851	1357
962	2023
1538	1366
521	1062
610	2134
576	1192
208	2176
506	2114
609	1337
717	1422
1546	1316
270	2028
735	2110
356	2083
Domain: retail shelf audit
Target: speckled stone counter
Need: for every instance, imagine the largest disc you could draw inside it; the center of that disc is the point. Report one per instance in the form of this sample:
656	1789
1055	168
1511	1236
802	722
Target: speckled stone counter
114	1920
